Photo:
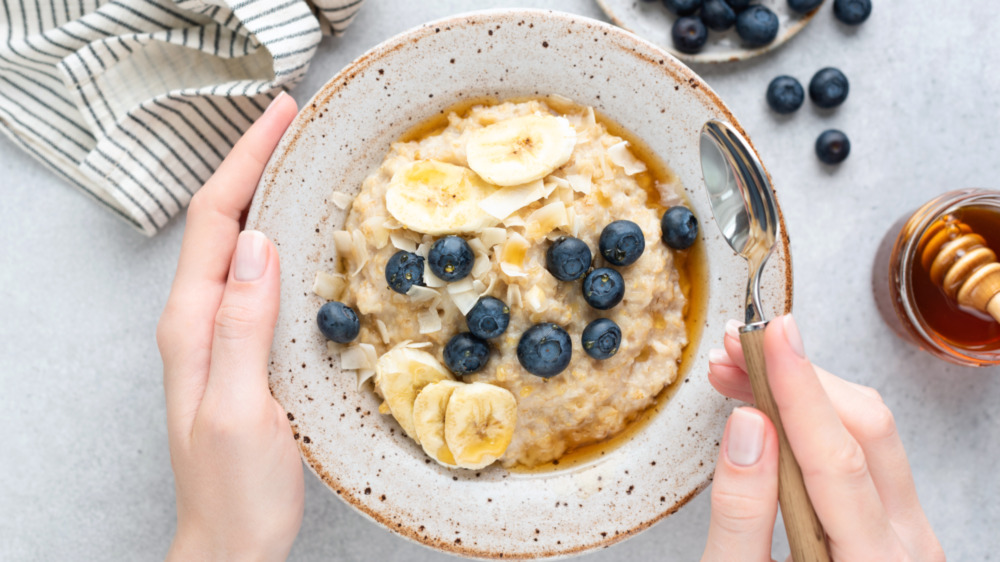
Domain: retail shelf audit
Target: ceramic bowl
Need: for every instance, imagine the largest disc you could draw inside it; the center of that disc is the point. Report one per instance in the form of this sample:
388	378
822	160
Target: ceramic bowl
342	134
653	21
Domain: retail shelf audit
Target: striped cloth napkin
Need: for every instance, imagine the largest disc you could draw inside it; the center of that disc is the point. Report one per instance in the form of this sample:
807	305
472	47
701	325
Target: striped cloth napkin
137	101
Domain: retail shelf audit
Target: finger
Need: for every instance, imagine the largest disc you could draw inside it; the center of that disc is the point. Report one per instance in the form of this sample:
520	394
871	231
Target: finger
833	464
745	490
732	344
244	325
727	378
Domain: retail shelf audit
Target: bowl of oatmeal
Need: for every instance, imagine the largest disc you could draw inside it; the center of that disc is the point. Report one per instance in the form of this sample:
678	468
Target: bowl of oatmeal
511	135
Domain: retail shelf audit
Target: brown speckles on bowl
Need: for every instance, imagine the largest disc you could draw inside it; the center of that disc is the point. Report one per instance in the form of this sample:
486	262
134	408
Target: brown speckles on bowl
344	133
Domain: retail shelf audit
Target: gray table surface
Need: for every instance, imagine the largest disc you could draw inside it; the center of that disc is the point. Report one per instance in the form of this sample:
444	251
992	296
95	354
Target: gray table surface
84	468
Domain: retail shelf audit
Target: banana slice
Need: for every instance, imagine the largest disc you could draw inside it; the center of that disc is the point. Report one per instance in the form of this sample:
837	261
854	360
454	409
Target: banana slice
479	423
400	374
522	149
435	198
428	419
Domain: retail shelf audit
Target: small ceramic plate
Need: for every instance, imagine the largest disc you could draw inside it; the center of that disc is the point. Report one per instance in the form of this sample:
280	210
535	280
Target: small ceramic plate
652	21
342	134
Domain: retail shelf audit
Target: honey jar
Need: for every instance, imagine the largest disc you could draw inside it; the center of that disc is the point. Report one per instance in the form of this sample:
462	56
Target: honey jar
928	265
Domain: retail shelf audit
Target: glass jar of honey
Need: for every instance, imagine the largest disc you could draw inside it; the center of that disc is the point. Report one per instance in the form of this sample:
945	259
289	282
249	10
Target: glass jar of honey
920	268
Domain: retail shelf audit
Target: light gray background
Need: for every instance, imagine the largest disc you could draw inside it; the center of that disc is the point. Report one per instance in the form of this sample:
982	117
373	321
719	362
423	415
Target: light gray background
84	468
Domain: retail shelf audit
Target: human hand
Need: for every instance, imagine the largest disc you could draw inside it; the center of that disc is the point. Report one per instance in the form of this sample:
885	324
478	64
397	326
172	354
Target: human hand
845	440
237	471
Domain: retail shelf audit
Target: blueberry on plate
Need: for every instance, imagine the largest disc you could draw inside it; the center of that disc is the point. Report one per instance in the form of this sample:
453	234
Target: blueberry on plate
544	350
757	26
852	12
785	94
488	318
451	258
682	7
338	322
833	146
804	6
718	15
601	338
603	288
622	242
689	35
465	354
828	88
680	227
404	270
738	5
568	258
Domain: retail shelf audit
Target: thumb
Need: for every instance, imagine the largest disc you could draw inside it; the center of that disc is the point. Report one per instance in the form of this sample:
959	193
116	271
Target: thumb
744	491
244	324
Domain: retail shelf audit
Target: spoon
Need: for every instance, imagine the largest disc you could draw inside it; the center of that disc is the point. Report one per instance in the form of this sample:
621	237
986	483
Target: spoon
746	213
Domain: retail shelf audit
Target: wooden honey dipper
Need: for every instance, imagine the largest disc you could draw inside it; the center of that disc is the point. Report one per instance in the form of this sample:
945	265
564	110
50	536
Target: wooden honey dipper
962	265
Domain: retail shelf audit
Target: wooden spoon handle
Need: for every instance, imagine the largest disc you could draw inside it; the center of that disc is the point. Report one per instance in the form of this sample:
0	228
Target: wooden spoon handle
805	533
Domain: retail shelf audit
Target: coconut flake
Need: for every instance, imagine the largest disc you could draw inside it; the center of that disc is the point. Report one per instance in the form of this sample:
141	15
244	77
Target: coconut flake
344	243
329	286
364	375
477	246
464	300
546	219
622	156
514	220
481	266
358	357
580	183
418	293
513	295
360	251
535	299
478	286
512	255
489	288
429	321
493	236
341	200
462	286
400	241
423	250
506	200
432	280
591	119
383	331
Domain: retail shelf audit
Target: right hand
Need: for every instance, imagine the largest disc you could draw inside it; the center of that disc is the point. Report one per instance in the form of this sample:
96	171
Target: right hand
845	440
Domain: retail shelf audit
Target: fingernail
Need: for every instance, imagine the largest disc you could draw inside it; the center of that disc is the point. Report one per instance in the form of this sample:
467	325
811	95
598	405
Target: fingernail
792	336
275	100
733	328
251	256
745	441
718	356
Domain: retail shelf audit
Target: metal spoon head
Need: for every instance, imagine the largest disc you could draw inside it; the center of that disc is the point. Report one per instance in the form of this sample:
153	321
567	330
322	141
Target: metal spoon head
742	202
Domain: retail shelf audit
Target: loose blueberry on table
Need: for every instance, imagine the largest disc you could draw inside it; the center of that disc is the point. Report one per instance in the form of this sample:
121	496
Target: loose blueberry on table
785	94
622	242
757	26
465	354
601	338
680	228
544	350
804	6
338	322
451	258
683	7
689	35
488	318
404	270
833	147
852	12
568	258
828	88
717	15
603	288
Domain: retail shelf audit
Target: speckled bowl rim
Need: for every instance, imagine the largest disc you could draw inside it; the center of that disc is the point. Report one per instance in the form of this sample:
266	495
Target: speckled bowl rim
269	188
712	58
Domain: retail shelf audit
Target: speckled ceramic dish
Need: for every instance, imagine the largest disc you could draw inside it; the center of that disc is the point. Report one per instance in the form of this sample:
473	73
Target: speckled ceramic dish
342	134
653	21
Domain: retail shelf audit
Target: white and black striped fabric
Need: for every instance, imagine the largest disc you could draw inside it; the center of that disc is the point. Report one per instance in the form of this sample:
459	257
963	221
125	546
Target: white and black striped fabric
136	102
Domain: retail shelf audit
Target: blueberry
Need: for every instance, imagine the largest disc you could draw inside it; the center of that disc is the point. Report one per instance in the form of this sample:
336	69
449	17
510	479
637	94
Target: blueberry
465	354
828	88
804	6
338	322
568	259
488	318
603	288
718	15
601	338
852	12
682	7
689	35
680	228
757	25
738	5
785	94
832	147
451	258
544	350
622	242
404	270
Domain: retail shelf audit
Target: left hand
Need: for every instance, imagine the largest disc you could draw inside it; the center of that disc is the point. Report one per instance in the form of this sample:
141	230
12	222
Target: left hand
237	469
